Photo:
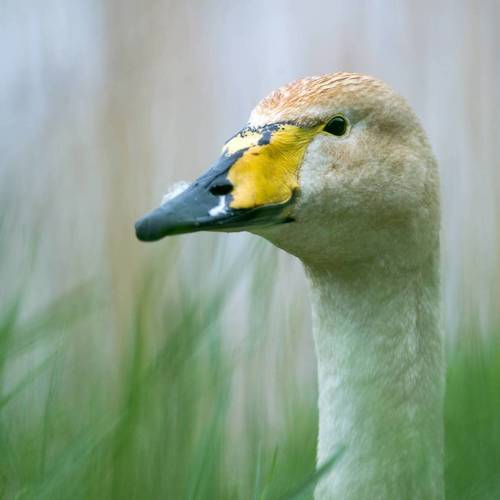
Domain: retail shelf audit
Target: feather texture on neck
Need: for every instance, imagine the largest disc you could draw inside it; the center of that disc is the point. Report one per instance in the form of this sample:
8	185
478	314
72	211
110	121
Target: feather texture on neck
378	345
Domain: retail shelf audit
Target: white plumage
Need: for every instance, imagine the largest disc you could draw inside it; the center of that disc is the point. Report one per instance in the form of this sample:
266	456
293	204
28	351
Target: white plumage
343	160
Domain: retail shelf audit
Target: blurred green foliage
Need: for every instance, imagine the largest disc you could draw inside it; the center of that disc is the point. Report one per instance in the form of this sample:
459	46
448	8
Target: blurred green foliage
146	414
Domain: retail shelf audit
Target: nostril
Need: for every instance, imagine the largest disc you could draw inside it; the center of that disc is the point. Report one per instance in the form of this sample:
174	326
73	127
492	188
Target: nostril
221	189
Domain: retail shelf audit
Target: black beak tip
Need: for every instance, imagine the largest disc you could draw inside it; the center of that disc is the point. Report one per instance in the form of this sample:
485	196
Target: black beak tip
143	230
159	223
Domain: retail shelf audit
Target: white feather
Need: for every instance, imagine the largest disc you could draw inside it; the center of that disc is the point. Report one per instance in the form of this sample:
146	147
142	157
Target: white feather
174	191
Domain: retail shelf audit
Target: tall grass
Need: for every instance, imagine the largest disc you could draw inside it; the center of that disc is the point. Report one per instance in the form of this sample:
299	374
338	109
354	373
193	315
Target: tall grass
171	409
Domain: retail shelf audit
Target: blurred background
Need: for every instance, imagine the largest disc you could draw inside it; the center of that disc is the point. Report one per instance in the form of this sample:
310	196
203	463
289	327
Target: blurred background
185	369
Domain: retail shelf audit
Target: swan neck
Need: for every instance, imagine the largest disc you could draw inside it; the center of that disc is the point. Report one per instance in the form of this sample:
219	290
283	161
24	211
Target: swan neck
380	375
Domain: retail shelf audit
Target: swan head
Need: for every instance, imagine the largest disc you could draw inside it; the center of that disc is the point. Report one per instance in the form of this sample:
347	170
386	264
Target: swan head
334	168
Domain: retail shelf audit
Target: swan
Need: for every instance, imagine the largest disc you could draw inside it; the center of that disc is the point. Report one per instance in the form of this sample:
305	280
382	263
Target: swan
337	171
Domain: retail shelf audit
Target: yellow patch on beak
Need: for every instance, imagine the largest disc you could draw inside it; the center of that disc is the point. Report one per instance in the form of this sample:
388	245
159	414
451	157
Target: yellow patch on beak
266	169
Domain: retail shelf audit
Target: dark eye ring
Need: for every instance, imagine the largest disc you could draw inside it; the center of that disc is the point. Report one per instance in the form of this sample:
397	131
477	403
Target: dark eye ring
336	126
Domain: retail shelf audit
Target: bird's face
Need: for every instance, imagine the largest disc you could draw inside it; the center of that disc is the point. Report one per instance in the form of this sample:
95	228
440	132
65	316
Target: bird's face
328	168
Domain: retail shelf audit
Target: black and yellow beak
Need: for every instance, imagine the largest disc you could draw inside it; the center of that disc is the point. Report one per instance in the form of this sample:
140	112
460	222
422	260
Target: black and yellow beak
254	183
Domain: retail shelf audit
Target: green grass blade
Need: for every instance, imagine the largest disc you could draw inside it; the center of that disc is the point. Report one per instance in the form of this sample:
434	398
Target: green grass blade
310	482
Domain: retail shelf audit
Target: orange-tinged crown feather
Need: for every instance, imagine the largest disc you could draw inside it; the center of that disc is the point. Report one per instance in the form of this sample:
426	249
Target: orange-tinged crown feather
307	100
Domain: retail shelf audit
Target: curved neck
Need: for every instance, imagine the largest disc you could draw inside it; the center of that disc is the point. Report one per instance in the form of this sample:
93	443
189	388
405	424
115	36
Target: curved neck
380	374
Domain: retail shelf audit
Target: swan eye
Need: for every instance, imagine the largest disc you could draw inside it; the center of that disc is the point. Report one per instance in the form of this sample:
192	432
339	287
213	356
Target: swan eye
336	126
